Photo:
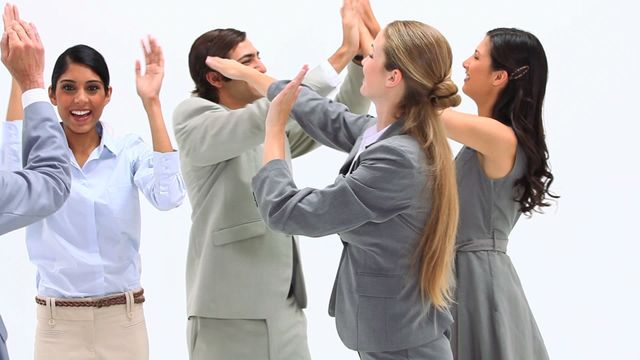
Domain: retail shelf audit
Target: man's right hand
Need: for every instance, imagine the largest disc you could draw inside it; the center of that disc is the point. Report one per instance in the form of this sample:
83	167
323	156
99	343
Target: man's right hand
22	50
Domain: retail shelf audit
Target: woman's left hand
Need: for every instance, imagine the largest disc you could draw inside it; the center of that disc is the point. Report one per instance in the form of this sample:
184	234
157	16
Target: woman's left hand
148	84
283	103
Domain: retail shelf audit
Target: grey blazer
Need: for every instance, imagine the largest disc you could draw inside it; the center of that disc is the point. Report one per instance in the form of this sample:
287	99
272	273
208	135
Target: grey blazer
42	187
378	206
236	266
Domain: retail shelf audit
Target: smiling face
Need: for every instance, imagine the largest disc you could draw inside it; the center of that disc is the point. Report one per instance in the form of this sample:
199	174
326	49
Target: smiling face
482	81
80	96
246	54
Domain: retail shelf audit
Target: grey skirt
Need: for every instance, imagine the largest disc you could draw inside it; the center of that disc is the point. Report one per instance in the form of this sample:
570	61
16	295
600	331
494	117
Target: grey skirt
493	320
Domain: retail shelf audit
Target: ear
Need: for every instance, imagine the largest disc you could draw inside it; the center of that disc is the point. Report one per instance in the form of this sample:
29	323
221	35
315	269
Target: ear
394	77
214	79
108	97
500	78
52	96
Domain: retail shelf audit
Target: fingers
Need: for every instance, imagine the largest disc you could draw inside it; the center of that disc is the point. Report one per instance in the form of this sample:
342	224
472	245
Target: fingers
214	62
292	89
4	47
300	76
156	51
9	15
36	34
138	69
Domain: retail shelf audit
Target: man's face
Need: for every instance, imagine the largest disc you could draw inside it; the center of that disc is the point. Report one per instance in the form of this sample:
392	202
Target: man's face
246	54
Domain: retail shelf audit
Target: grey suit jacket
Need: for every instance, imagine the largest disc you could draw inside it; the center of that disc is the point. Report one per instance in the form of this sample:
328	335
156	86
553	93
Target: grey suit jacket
236	266
42	187
379	207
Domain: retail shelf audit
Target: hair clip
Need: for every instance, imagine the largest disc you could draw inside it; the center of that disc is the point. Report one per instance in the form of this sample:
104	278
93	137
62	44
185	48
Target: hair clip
519	72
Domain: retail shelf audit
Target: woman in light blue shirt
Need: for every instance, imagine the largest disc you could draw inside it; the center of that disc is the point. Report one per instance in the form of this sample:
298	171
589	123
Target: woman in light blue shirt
87	254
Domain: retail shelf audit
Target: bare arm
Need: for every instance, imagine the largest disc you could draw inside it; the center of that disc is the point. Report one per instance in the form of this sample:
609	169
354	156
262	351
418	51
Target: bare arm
495	141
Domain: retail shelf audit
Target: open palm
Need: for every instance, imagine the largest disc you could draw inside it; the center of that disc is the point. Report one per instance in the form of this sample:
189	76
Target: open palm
148	84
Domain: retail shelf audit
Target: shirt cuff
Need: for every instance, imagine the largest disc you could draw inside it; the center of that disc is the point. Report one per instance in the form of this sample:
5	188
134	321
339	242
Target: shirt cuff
331	75
34	95
167	164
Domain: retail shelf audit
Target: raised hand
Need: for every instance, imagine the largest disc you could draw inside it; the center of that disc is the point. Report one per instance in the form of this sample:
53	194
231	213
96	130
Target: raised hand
22	50
229	68
350	24
281	105
148	84
368	18
276	123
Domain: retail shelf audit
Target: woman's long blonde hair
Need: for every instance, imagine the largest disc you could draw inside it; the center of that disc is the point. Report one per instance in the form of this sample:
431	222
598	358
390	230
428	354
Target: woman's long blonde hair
424	58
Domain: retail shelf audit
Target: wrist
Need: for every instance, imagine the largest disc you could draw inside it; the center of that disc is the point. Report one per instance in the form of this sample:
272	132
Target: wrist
28	84
347	50
151	101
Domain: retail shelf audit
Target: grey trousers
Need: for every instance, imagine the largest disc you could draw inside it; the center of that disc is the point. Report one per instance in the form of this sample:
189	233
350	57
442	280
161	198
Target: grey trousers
282	336
4	355
438	349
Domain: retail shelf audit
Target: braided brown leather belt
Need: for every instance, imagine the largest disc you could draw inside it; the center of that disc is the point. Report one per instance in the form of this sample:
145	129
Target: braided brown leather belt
119	299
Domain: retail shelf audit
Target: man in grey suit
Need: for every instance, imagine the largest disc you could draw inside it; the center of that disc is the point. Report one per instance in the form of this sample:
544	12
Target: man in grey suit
245	289
42	187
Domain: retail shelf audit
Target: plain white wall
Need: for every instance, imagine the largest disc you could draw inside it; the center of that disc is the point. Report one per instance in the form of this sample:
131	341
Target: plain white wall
577	262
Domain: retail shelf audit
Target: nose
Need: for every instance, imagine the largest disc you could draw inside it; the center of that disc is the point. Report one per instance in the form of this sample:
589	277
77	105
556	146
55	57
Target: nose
260	67
80	97
465	64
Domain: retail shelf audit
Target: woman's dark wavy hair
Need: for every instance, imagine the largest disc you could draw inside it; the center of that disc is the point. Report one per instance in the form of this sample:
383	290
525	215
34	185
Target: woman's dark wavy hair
519	106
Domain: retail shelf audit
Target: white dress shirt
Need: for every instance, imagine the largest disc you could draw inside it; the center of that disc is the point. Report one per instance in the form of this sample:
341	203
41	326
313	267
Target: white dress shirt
90	246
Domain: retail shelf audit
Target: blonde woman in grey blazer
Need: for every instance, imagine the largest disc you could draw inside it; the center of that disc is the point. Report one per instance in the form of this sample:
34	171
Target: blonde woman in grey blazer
392	289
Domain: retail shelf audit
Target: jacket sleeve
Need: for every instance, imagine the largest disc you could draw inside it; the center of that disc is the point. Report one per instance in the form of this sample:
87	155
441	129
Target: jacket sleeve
42	187
157	175
11	147
349	95
328	122
208	133
381	187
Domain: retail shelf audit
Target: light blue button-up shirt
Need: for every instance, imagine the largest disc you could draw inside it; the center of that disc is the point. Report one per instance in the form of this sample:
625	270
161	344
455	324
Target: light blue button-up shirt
90	246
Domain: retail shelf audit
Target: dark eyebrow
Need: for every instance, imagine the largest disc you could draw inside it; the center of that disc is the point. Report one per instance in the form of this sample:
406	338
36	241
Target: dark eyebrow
88	82
246	57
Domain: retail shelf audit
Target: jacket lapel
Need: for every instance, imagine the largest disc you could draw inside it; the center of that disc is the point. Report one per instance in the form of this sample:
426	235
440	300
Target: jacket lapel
347	167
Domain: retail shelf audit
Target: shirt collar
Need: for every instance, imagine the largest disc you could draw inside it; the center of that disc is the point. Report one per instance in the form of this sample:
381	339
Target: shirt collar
107	141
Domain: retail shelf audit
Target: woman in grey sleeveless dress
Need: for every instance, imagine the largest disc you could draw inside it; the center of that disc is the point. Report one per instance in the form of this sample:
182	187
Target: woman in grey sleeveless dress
502	172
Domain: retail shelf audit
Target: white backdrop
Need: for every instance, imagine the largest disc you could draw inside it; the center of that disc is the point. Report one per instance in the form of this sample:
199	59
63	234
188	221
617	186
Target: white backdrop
577	262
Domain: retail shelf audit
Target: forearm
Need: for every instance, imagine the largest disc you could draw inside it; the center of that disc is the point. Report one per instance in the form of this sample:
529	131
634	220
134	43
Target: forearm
257	80
341	58
159	135
273	144
14	108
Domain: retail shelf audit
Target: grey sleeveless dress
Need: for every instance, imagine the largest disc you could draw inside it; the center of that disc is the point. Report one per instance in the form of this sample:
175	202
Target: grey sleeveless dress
493	320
